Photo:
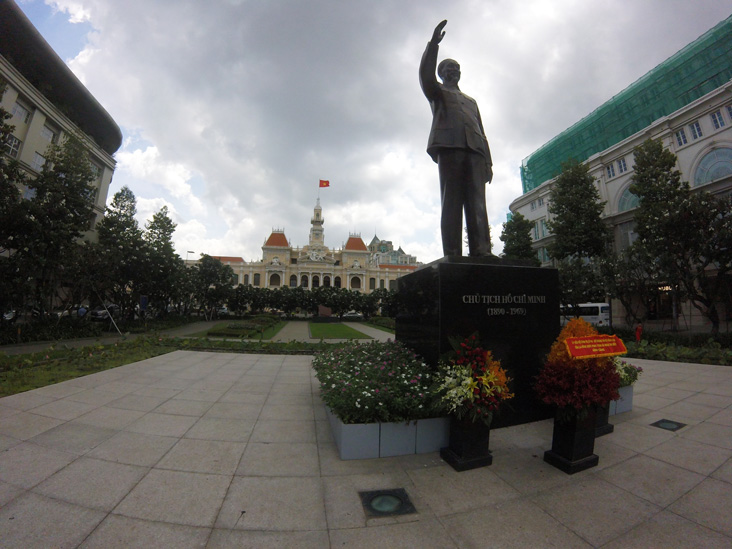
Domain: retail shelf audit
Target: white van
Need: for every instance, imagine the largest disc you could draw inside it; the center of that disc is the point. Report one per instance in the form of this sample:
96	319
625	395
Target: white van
597	314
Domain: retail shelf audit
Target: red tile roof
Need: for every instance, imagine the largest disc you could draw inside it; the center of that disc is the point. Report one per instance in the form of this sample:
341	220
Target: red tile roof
277	239
228	259
356	244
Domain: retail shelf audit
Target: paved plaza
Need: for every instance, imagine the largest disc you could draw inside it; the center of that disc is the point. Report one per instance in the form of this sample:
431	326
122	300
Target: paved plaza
197	449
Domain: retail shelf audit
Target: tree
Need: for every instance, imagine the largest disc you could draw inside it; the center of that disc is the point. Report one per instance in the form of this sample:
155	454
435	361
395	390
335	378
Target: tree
213	283
55	217
688	235
165	269
123	252
516	238
576	211
580	236
12	278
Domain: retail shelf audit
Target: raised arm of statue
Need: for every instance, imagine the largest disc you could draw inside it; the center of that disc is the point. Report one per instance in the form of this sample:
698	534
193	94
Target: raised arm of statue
439	34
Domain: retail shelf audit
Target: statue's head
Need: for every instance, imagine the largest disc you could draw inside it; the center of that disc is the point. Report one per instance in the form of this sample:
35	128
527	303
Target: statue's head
449	71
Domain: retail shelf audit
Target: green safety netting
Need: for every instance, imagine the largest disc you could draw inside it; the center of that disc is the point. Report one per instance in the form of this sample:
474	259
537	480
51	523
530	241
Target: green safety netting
699	68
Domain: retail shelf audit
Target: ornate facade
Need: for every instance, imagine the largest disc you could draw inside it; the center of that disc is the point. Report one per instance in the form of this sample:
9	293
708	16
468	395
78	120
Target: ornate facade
355	266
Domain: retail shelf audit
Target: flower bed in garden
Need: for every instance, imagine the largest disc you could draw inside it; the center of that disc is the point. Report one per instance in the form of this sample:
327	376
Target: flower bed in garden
380	400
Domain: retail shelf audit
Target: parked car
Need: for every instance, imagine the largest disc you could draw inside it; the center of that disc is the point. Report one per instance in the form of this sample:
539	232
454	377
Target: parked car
10	316
100	313
352	315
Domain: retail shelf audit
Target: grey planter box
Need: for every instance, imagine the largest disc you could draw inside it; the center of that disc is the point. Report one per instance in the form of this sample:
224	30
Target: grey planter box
373	440
624	403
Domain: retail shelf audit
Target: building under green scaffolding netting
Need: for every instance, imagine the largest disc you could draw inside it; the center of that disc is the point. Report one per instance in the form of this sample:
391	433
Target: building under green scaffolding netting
692	72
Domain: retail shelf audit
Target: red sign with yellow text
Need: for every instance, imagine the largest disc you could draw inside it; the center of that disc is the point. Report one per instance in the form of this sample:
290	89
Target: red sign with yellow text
596	346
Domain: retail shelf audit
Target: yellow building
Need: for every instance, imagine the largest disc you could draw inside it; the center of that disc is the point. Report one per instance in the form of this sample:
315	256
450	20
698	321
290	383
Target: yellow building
354	266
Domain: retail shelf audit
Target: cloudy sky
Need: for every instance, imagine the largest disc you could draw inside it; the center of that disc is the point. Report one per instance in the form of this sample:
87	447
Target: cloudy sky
233	110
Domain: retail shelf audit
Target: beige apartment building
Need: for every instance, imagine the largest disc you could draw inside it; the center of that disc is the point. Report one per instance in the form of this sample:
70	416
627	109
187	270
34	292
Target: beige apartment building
47	102
686	102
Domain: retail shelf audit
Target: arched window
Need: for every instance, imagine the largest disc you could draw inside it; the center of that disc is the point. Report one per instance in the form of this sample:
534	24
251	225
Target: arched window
355	283
372	283
257	279
326	281
715	165
274	280
627	201
316	281
304	281
246	280
293	281
337	282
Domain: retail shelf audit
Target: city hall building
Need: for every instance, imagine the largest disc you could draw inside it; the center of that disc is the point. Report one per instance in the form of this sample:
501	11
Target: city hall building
46	102
686	102
355	266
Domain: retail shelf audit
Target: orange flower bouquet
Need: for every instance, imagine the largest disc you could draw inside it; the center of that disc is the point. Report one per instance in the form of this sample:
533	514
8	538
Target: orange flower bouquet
576	384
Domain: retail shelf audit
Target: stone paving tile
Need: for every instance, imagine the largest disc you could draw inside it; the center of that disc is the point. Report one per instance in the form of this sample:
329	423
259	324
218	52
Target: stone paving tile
273	503
651	479
63	409
724	417
447	491
8	442
639	438
93	396
279	459
585	506
234	410
162	424
26	425
724	472
92	483
118	532
134	448
710	433
239	539
690	454
516	523
32	520
137	402
77	438
112	418
216	428
424	534
192	499
203	456
27	464
287	412
8	492
708	504
59	390
267	430
25	401
184	407
670	531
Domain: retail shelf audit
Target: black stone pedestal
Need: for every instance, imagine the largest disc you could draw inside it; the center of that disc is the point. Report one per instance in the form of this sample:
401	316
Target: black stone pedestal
469	445
602	424
514	309
573	442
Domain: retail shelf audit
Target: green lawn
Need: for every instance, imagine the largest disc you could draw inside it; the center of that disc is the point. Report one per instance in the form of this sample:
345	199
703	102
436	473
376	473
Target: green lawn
329	330
220	330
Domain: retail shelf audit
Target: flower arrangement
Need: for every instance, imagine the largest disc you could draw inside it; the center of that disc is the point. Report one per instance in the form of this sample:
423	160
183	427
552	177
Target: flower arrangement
628	373
472	385
570	383
374	382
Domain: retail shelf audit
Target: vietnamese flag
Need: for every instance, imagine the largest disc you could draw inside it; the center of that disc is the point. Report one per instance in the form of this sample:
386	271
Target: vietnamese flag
324	183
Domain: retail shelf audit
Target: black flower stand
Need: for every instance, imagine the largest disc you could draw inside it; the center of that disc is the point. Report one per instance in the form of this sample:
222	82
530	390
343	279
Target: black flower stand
602	423
573	441
468	447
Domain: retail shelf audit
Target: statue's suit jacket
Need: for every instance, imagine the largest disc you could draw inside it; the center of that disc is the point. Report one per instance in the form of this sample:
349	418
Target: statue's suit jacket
456	122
